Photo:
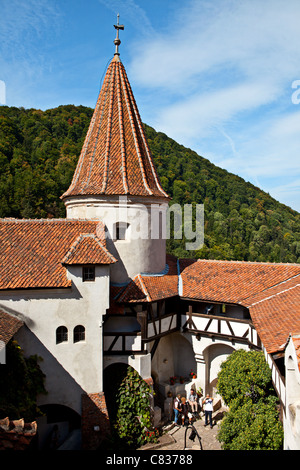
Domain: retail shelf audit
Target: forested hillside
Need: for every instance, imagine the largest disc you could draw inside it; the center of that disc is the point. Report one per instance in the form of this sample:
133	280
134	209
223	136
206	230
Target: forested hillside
39	152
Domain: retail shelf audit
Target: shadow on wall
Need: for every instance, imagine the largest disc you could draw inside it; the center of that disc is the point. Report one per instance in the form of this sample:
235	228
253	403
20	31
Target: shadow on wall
56	425
95	424
174	357
63	392
112	378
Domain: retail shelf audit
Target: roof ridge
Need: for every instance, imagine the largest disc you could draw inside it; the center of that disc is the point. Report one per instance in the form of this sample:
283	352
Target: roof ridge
268	263
115	158
122	139
126	93
108	135
142	133
144	287
273	295
77	242
49	220
271	287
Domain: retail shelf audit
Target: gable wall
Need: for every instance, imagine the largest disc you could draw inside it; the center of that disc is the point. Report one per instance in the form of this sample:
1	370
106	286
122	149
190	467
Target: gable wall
71	368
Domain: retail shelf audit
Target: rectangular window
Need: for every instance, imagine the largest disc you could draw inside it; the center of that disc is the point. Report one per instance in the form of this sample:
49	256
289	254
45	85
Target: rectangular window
88	273
121	228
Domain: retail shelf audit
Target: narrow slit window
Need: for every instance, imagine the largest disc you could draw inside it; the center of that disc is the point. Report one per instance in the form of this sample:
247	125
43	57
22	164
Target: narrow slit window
121	229
79	333
61	334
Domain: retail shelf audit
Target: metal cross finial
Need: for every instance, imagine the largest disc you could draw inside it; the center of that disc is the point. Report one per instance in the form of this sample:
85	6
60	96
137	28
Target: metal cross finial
117	41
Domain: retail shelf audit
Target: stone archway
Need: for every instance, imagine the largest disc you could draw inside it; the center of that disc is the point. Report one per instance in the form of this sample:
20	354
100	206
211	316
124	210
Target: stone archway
174	356
214	355
56	424
112	378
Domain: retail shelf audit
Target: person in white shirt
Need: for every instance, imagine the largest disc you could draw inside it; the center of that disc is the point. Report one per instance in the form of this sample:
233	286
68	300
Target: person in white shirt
208	409
192	400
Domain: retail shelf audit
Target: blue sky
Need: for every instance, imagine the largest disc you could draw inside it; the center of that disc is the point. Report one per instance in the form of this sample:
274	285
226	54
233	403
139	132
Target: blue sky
220	77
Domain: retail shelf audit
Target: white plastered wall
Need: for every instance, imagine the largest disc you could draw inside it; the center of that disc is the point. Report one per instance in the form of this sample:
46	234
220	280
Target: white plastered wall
144	249
71	368
209	355
292	409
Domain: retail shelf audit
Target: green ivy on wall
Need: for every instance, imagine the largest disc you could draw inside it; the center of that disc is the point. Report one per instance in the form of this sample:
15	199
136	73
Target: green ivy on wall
21	381
133	421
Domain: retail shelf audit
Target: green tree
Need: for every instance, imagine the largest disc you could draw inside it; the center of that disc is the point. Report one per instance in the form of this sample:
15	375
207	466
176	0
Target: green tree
252	426
244	374
39	151
252	422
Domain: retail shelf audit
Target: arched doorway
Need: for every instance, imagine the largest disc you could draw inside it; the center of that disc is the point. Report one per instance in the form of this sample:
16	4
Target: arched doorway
56	424
214	356
174	357
112	378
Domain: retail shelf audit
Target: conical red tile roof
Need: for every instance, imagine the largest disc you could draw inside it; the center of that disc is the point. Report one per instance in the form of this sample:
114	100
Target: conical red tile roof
115	157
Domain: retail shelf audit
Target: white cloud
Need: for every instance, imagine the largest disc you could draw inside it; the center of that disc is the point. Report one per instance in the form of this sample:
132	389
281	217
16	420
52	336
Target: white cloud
26	31
250	37
200	114
223	80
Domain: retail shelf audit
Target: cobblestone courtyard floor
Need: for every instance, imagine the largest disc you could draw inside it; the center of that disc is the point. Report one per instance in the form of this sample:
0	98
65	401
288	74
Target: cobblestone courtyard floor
175	439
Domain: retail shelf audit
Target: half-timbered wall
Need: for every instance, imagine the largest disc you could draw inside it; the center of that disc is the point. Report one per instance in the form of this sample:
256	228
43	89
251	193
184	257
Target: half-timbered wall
176	338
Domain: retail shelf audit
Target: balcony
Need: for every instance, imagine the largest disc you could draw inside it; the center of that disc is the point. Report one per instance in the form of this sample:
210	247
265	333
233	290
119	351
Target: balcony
221	327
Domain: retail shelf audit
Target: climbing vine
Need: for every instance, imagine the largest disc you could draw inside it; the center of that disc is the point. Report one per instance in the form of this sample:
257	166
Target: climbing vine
133	421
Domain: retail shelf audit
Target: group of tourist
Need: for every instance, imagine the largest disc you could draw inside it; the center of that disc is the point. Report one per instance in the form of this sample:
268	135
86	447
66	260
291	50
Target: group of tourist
187	409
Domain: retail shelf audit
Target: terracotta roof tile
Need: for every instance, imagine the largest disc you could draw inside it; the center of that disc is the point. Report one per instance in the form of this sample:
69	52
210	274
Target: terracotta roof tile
149	288
115	157
9	325
16	434
114	306
231	281
276	314
88	249
270	291
31	251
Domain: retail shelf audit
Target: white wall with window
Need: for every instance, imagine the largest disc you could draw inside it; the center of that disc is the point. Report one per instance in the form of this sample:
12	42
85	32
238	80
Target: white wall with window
65	329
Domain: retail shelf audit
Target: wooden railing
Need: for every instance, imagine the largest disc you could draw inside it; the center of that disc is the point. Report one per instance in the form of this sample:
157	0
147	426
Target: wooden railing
213	326
155	327
123	343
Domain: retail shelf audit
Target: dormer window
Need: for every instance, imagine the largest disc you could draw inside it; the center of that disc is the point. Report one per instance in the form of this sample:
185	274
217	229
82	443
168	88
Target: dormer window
88	273
120	230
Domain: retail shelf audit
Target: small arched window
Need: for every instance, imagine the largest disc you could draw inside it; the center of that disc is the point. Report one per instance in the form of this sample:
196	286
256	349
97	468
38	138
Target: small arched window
61	334
79	333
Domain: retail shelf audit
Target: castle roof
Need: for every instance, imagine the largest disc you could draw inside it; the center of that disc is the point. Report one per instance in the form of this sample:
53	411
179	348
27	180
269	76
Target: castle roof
115	158
9	326
271	291
88	249
33	252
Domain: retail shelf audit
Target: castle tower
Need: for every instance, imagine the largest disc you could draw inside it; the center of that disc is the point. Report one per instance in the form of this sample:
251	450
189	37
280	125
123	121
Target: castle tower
116	180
